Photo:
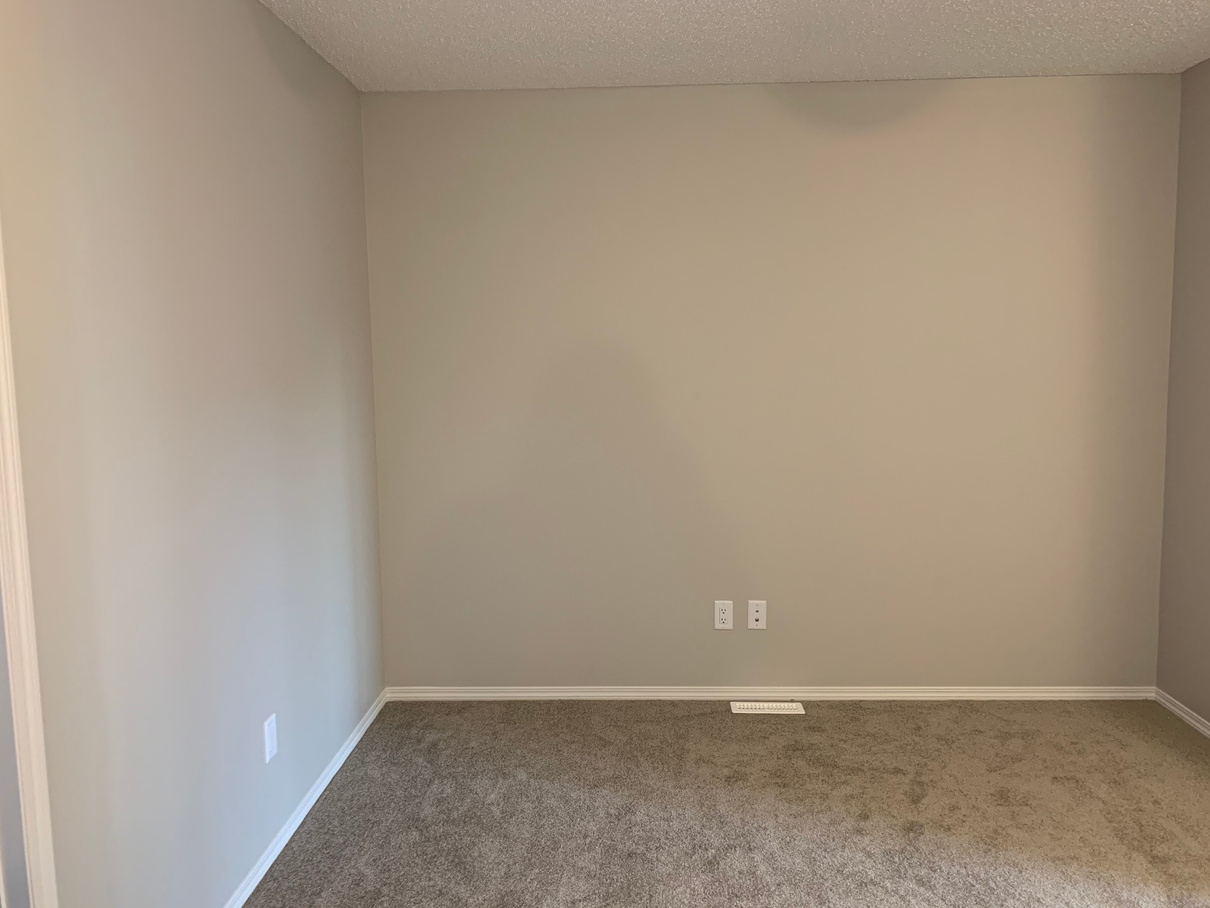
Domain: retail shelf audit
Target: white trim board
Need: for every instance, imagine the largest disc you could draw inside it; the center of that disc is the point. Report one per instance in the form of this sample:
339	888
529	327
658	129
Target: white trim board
258	871
1180	709
769	693
16	592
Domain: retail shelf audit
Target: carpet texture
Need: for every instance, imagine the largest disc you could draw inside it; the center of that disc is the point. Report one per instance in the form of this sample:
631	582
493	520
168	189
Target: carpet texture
683	805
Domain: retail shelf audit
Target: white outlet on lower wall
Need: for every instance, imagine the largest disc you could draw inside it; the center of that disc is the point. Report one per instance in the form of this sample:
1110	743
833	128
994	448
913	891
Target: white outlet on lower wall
724	614
270	737
757	614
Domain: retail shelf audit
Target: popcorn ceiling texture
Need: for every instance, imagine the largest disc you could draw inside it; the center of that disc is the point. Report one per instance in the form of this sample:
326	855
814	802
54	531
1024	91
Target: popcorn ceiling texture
408	45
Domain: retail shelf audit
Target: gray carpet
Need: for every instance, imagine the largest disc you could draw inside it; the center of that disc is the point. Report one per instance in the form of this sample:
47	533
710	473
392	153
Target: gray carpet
521	805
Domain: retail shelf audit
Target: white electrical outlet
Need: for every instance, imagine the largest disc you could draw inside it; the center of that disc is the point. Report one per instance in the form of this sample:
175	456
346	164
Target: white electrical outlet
724	614
757	618
270	737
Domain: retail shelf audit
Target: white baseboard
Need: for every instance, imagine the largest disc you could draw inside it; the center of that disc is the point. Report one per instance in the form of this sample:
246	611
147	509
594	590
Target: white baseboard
769	693
1180	709
279	842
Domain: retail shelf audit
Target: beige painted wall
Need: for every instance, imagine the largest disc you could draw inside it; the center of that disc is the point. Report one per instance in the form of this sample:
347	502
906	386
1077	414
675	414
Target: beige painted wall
891	356
182	202
1184	652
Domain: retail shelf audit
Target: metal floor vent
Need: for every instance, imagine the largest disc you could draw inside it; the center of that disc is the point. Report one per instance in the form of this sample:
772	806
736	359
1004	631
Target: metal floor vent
767	706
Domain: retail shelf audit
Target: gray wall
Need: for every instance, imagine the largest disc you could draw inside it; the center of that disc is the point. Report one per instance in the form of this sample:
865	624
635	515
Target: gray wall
1184	653
182	200
891	356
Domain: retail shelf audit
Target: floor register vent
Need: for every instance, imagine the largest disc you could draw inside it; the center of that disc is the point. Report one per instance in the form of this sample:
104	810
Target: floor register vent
767	706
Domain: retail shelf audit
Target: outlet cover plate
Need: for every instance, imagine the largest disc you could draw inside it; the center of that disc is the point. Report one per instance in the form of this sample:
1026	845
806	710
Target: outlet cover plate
758	614
724	615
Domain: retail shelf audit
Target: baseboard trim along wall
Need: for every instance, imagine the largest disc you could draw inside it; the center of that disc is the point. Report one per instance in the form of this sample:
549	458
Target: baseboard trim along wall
770	693
300	813
1180	709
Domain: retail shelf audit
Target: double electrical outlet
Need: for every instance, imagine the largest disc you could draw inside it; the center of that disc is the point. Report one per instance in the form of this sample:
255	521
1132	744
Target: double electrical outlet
724	614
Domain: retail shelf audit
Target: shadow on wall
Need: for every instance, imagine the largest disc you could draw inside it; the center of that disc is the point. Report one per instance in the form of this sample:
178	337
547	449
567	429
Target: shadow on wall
599	526
856	106
1124	343
289	53
1114	343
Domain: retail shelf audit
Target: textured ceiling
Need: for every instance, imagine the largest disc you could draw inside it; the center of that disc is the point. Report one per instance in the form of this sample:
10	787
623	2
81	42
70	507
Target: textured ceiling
400	45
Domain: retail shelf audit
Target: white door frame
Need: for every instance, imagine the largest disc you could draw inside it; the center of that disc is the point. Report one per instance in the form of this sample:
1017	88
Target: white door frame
16	593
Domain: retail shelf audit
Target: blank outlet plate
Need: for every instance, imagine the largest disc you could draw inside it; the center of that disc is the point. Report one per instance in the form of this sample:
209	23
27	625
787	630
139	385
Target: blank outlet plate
758	617
270	737
724	614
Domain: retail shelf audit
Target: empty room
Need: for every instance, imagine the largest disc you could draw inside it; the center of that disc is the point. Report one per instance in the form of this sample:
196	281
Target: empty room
565	454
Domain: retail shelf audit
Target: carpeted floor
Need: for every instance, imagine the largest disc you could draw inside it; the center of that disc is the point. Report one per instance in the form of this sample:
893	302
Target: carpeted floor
683	805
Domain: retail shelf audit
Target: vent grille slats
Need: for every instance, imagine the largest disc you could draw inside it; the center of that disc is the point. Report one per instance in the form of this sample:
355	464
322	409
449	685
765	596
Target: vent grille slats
781	707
